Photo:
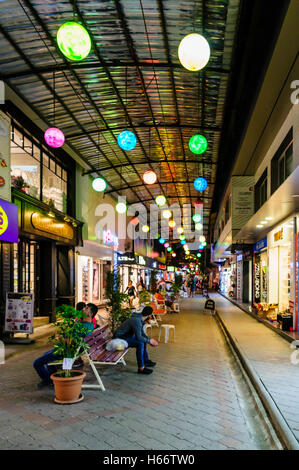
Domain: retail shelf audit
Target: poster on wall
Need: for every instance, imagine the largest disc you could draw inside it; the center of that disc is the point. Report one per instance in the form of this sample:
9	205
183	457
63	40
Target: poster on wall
239	281
257	279
9	228
19	312
5	186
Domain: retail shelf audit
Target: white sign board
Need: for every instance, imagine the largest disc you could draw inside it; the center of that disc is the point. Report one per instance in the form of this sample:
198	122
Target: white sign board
242	200
5	180
19	312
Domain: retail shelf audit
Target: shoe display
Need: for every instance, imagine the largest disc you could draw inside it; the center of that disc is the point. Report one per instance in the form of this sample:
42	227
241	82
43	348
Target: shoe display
145	371
150	363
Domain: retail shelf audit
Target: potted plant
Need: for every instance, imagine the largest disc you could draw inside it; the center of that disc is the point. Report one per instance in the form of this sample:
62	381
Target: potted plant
68	341
118	302
176	286
144	297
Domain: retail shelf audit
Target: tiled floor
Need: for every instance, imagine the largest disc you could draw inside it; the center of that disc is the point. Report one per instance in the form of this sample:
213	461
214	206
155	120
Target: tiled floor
191	401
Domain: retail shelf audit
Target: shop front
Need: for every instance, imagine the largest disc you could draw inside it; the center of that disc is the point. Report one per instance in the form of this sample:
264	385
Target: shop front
260	273
43	259
93	261
228	277
280	250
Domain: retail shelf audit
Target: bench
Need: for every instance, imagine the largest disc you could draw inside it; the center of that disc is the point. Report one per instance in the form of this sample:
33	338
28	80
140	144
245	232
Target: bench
98	355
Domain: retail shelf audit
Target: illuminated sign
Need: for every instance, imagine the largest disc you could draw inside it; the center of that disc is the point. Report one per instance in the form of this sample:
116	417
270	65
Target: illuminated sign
127	258
141	260
170	269
109	238
9	230
49	225
278	235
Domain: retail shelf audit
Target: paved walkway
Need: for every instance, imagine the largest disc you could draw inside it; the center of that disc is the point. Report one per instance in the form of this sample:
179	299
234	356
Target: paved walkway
269	354
191	401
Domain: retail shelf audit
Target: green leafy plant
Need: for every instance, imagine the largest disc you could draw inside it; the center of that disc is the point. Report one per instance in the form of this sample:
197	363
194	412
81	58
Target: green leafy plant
176	286
118	302
144	297
153	282
69	338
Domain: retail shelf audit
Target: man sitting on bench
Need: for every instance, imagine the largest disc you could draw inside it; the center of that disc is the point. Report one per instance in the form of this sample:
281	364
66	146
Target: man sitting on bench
132	332
41	364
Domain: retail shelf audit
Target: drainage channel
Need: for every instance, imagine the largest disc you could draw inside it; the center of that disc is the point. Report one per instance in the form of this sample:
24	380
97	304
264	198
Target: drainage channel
259	424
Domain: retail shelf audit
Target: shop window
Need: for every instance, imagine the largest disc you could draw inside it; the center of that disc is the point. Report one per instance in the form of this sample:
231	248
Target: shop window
260	191
282	162
26	166
26	159
54	190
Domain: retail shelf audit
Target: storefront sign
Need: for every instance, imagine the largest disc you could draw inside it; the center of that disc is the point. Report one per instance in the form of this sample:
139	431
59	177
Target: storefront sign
170	269
126	258
5	186
239	258
9	230
162	266
239	281
19	312
257	279
109	238
278	235
141	261
50	225
260	245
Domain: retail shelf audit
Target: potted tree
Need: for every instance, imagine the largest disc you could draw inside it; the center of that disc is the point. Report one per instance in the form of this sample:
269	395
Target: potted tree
118	302
68	341
144	297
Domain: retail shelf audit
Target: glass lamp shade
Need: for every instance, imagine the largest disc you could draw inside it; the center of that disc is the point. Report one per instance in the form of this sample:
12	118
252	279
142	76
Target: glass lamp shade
198	226
194	52
169	249
99	184
182	237
183	242
166	245
134	221
198	144
160	200
173	255
180	230
162	241
200	184
127	140
121	207
198	255
198	204
149	177
202	238
166	214
54	137
196	218
73	40
171	224
145	228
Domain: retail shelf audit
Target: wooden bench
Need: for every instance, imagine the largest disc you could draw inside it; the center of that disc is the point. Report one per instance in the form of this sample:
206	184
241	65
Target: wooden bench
98	355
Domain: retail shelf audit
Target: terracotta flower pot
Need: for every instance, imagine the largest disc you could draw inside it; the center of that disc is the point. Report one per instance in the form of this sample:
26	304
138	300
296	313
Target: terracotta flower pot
68	389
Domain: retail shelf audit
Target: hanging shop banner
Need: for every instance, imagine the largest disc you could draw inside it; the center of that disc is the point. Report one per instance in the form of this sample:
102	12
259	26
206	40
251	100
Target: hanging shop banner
19	312
257	279
5	184
260	245
239	281
9	229
242	200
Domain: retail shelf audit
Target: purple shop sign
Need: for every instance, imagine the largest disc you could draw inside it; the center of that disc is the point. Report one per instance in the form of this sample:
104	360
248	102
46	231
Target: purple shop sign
9	229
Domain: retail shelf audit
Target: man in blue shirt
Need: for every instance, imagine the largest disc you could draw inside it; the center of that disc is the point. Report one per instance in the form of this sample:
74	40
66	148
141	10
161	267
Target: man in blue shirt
131	330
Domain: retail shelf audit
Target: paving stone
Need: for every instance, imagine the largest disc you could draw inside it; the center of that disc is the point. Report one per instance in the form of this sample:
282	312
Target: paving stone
186	403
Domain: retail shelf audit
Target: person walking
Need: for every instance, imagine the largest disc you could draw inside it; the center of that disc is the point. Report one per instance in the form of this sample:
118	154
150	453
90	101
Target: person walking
131	292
